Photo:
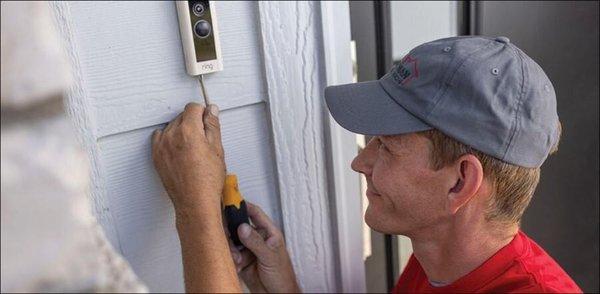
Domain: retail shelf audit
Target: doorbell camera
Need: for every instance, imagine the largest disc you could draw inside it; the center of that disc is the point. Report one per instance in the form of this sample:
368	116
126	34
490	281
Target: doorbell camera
200	36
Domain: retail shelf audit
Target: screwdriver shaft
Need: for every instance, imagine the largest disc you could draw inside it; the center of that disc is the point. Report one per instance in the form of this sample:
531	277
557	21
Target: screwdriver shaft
206	99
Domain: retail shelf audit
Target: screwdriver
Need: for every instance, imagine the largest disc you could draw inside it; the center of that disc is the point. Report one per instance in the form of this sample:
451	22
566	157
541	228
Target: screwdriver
234	208
234	205
206	100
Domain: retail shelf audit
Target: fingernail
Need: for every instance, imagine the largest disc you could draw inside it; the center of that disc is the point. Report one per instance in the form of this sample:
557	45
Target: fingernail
214	110
244	230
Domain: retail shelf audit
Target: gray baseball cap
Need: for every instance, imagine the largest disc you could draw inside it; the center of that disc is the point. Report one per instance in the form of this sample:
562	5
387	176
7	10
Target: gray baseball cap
483	92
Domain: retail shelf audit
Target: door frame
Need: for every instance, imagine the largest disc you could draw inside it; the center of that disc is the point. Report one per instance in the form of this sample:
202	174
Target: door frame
342	148
319	193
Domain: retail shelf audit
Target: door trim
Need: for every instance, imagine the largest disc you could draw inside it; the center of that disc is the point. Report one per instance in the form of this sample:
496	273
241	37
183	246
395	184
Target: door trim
341	150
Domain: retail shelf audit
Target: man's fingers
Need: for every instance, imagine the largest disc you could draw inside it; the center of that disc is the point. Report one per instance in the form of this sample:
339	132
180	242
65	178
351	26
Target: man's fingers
255	243
212	126
252	280
192	115
263	233
246	257
156	136
261	220
236	255
270	233
175	122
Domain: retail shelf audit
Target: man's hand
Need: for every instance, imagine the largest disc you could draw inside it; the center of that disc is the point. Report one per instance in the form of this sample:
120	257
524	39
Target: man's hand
264	265
188	156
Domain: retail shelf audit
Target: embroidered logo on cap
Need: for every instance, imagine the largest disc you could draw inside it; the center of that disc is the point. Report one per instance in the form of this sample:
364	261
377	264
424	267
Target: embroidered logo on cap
406	70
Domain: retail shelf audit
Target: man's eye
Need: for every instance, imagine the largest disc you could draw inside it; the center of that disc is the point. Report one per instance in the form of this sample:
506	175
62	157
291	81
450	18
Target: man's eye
382	146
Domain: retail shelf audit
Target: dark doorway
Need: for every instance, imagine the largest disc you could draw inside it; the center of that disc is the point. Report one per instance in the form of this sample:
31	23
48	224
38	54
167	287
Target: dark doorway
562	36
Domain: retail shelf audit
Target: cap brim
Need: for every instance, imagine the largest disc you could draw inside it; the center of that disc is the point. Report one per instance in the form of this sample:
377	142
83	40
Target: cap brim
366	108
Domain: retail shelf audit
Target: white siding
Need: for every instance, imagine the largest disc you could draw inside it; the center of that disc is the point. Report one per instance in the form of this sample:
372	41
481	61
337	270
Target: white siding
130	79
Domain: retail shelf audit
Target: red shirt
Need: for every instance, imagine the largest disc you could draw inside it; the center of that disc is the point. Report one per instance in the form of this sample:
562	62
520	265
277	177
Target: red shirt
520	266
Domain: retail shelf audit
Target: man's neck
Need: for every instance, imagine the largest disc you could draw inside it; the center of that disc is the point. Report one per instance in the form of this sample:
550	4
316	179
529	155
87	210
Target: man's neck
452	250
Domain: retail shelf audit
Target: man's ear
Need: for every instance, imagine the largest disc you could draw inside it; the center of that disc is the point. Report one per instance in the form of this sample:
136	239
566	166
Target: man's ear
469	177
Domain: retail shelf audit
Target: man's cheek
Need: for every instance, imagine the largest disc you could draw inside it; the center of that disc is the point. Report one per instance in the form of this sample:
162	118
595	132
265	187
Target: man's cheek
378	179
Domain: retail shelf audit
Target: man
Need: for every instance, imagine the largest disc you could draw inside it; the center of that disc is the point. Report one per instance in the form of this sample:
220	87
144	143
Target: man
461	127
51	241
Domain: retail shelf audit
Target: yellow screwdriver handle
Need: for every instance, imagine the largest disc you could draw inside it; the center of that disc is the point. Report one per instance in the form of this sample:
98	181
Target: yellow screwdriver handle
234	207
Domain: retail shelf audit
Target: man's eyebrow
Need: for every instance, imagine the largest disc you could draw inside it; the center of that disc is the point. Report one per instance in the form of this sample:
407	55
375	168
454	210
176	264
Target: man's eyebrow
389	140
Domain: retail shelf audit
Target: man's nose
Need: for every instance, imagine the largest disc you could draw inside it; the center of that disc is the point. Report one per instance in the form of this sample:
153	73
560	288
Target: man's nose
362	163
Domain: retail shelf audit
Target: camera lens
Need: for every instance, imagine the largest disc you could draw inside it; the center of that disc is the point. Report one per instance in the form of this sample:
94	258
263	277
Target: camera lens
202	29
198	9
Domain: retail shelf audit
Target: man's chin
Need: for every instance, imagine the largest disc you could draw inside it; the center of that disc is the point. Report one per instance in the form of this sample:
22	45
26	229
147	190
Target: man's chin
375	222
379	223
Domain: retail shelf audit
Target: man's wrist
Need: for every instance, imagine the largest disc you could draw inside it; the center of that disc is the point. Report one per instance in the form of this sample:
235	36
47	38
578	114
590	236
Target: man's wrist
205	215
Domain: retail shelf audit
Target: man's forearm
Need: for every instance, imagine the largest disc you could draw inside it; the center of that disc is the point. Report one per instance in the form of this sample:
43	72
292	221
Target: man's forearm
207	262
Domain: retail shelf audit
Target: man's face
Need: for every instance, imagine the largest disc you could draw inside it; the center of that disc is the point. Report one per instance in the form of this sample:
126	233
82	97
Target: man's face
405	194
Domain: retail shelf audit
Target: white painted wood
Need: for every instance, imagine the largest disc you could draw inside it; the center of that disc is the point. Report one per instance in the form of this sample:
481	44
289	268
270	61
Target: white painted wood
131	79
341	150
293	56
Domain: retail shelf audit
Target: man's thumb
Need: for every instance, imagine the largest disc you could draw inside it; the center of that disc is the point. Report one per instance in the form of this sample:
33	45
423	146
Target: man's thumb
255	243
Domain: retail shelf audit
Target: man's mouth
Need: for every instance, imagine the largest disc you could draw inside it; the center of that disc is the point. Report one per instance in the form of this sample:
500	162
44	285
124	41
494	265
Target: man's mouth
372	193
